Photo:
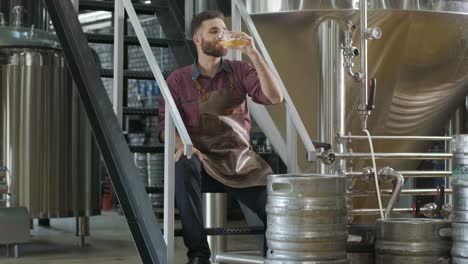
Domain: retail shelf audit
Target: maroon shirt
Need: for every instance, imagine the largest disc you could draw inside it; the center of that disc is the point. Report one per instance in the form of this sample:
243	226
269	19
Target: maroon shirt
185	94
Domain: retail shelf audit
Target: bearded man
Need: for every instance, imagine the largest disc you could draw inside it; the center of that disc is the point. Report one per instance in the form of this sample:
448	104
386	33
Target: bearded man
211	97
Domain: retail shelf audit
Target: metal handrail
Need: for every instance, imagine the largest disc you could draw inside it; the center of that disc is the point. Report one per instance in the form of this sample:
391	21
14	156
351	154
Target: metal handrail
291	109
173	110
412	138
172	119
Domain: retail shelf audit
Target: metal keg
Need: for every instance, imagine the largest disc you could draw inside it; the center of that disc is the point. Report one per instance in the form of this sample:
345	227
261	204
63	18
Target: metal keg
306	219
460	149
460	202
460	243
156	177
412	241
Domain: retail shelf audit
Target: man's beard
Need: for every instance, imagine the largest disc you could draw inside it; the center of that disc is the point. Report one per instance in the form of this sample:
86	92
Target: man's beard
213	49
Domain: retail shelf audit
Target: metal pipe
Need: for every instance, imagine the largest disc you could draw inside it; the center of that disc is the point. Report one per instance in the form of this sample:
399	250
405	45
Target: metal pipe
83	230
400	181
413	138
362	107
375	211
428	156
169	185
215	216
291	144
237	258
117	94
188	8
407	192
413	174
331	85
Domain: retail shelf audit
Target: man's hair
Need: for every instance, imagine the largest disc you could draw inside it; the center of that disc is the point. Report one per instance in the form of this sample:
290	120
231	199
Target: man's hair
198	19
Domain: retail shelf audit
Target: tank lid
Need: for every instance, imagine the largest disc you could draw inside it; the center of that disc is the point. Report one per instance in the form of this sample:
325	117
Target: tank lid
11	36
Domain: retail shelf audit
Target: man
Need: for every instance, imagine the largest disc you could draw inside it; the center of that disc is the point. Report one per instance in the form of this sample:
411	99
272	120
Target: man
211	98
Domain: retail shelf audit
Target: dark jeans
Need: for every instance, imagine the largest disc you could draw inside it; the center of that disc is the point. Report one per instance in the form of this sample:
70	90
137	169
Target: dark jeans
190	181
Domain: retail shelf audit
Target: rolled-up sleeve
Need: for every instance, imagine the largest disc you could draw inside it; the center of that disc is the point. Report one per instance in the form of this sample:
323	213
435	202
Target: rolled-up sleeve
173	85
252	85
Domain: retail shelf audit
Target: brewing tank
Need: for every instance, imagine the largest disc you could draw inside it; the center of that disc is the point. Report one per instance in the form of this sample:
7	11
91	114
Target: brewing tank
46	141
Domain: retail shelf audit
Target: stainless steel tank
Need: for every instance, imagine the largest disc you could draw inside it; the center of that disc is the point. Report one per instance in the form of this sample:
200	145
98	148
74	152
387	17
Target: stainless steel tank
45	136
420	63
412	241
306	219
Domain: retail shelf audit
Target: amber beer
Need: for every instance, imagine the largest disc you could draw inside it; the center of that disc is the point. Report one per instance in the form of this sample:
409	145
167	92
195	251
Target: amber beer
234	43
229	39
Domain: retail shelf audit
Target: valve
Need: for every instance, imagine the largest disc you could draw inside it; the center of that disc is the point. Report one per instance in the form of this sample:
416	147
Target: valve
373	33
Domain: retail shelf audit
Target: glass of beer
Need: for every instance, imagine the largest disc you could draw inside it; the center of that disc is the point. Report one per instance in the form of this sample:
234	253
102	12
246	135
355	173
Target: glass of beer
231	39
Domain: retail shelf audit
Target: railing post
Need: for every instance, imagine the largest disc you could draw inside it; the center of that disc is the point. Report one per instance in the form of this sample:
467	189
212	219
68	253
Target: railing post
236	25
169	168
117	94
291	143
188	18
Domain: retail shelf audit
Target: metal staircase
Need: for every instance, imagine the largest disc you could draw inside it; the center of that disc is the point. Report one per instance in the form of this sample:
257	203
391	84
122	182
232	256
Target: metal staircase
105	124
106	119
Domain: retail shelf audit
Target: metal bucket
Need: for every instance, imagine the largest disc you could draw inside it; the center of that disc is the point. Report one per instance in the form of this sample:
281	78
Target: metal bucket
412	241
306	219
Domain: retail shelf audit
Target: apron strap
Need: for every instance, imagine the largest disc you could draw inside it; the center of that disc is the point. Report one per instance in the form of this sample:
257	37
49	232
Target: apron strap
203	94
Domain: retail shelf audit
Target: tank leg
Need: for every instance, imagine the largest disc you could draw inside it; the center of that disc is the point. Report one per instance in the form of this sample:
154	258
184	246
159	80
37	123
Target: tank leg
82	242
82	229
16	250
7	250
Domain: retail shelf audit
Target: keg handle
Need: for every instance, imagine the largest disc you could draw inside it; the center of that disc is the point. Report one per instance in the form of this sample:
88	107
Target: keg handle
281	187
445	232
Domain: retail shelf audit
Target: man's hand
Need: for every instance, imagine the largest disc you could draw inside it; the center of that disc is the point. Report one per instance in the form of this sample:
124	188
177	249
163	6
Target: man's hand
180	152
249	49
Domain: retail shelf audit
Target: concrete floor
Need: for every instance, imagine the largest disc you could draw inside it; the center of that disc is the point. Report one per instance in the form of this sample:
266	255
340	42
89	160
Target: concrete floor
110	242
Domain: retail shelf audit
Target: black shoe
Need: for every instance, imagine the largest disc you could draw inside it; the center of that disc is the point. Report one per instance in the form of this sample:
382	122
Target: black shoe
199	260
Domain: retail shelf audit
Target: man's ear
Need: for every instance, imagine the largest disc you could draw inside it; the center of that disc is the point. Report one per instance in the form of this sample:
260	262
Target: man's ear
196	39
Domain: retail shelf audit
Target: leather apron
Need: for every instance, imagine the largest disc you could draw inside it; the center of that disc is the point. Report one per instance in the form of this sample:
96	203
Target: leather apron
223	140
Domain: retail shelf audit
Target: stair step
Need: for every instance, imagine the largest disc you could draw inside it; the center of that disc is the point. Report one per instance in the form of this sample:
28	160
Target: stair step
140	111
152	189
131	74
148	9
222	231
146	149
132	40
